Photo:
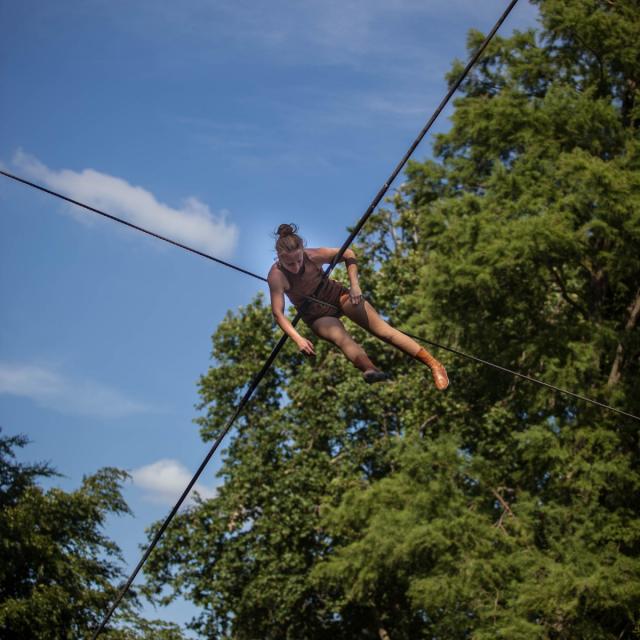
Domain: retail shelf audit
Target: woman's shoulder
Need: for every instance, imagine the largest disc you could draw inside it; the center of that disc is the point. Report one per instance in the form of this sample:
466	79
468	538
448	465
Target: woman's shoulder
276	278
321	255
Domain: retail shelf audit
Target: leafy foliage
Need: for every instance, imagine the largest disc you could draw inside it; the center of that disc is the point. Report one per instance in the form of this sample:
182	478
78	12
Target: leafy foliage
56	566
498	509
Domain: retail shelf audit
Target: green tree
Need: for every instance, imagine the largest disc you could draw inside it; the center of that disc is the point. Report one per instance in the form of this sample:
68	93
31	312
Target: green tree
56	566
498	509
525	240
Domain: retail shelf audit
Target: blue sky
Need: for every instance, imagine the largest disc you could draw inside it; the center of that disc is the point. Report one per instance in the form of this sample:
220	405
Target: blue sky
208	121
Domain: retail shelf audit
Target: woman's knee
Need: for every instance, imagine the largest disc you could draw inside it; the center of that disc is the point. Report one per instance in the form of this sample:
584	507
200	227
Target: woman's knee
347	344
345	341
333	333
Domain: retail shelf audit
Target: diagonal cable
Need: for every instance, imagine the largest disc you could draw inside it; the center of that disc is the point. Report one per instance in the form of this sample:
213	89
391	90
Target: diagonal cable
454	87
283	339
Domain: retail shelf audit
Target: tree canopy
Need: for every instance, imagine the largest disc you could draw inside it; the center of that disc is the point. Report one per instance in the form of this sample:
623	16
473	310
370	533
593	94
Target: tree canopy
56	565
497	509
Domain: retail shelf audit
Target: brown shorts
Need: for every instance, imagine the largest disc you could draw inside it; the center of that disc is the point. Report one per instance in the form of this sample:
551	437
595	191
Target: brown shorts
331	294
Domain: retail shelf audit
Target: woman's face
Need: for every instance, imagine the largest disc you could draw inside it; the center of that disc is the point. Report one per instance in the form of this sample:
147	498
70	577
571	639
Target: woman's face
292	261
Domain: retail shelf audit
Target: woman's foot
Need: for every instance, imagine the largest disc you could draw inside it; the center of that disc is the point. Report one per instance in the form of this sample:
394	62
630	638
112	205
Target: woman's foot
375	375
440	376
438	371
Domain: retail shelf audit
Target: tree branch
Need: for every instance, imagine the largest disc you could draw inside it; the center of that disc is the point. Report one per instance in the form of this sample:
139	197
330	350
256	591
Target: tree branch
616	368
506	509
565	294
423	426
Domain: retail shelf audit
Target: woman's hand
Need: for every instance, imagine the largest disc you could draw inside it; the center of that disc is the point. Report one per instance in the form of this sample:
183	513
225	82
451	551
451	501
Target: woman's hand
305	346
355	295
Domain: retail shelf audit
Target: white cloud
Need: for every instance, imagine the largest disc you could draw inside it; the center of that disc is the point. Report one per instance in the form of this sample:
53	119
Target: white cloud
52	390
193	224
165	480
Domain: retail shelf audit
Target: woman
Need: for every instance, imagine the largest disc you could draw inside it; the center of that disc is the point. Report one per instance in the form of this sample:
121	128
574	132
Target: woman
298	274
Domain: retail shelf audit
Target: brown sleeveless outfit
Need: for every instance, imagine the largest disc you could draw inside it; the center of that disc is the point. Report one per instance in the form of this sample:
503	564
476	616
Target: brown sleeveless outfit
304	283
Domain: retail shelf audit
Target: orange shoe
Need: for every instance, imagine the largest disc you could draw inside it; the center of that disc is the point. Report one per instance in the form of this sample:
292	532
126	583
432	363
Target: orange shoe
437	368
440	376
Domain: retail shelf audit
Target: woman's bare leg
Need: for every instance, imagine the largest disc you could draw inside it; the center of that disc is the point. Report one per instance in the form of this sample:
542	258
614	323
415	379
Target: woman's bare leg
368	318
332	330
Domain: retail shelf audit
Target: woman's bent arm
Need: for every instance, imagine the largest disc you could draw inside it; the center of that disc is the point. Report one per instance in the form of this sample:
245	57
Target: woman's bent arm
324	255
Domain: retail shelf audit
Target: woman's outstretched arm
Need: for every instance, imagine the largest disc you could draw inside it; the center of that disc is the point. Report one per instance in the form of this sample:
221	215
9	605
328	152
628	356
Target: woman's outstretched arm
276	291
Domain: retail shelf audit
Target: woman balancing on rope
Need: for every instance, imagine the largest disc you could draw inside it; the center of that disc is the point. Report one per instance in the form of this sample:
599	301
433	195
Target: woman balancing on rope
298	273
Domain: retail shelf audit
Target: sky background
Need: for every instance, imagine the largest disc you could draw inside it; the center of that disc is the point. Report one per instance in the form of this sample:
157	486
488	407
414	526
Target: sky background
211	122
